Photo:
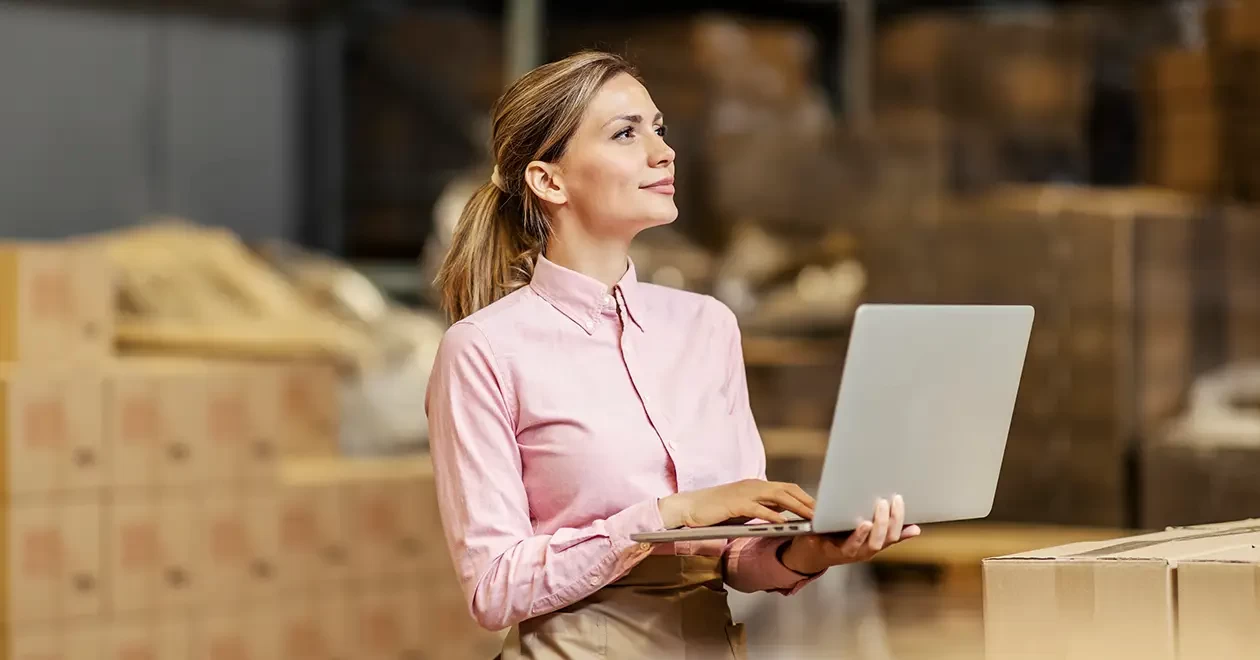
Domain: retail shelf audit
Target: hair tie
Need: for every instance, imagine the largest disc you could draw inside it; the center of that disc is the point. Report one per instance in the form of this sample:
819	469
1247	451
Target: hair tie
497	180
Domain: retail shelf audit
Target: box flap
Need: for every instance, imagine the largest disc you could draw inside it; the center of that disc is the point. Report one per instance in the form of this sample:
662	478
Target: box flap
1246	552
1177	544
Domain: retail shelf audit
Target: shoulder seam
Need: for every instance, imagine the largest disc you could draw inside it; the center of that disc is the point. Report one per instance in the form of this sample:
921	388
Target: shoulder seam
498	373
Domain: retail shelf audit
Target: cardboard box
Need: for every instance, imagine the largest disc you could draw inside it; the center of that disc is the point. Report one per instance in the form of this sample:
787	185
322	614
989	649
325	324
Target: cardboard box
382	621
389	526
154	552
183	422
1116	278
242	561
145	639
1187	593
244	632
56	303
51	430
68	643
55	566
310	409
1185	484
314	627
313	537
157	423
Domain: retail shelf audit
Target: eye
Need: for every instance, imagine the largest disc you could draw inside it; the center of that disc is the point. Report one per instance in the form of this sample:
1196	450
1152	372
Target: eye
662	130
624	134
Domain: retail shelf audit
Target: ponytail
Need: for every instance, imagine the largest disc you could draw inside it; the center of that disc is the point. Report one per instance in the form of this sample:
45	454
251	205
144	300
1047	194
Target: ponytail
504	227
492	252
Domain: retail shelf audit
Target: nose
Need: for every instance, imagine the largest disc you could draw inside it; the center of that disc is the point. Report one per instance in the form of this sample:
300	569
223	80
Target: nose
662	154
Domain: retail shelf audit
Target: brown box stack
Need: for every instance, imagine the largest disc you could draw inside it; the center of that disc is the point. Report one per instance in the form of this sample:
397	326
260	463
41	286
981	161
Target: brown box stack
1235	39
1110	275
56	303
963	103
148	511
1182	124
1242	281
1188	484
1185	593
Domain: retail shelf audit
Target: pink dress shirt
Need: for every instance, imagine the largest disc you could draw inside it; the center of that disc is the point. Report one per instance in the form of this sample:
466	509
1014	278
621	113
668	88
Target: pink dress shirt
560	414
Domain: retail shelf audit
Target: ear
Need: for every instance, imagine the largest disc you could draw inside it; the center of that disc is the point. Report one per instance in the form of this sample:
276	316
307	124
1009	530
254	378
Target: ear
544	179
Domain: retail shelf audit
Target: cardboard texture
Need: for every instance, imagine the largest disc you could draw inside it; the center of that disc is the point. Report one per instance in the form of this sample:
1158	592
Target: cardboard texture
1186	484
243	413
50	430
69	644
1182	594
242	561
382	622
157	423
54	564
315	628
182	422
56	303
309	404
387	526
145	639
313	537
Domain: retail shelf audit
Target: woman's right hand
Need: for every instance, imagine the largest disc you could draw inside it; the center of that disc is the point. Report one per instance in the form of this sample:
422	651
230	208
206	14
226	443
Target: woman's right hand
750	498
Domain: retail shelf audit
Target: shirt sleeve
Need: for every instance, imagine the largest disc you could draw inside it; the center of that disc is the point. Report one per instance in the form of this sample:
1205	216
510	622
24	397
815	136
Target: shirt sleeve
751	564
508	572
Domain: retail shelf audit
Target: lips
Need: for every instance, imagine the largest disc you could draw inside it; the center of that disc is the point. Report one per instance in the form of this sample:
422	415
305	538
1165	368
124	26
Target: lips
664	186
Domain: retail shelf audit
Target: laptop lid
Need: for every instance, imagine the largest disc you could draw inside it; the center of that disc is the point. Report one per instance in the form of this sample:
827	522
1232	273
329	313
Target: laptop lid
924	409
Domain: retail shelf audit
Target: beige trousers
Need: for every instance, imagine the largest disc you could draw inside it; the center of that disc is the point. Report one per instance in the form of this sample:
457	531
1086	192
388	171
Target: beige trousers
666	608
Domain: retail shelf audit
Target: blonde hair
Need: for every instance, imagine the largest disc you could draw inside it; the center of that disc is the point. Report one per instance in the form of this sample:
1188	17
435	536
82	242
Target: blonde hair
504	228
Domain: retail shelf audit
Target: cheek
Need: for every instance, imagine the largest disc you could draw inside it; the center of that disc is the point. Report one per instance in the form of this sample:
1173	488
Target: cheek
607	178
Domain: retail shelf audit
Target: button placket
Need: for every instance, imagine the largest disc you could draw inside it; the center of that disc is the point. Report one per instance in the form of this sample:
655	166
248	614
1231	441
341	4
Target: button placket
639	379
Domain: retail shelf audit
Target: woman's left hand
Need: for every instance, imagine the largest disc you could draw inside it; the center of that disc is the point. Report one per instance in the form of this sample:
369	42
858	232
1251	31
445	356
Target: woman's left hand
814	553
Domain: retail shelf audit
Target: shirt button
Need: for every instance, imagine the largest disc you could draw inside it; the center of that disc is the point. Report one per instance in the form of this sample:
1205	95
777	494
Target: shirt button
607	300
594	582
590	325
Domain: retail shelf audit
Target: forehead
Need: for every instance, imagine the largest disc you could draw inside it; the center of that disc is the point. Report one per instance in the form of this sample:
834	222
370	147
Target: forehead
622	95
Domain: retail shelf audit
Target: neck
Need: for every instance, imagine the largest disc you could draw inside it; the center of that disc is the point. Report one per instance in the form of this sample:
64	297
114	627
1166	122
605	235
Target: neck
605	261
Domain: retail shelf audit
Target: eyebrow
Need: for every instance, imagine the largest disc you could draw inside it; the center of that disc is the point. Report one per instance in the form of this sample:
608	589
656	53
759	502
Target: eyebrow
634	119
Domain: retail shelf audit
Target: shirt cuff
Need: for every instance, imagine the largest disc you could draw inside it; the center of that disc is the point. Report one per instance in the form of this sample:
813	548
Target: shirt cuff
637	518
753	565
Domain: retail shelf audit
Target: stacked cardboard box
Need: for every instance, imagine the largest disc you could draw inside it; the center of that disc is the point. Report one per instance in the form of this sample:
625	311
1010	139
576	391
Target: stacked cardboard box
977	101
1242	281
1234	29
144	512
1111	277
1185	593
1188	484
1182	124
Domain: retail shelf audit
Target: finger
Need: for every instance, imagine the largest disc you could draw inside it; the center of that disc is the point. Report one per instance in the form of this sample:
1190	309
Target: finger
879	530
910	532
763	512
785	500
800	494
853	547
896	519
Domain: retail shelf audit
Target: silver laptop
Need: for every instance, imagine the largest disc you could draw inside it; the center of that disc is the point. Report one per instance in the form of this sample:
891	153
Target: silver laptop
924	409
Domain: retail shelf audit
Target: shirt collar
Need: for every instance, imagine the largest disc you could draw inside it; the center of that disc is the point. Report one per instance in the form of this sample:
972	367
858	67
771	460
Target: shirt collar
583	298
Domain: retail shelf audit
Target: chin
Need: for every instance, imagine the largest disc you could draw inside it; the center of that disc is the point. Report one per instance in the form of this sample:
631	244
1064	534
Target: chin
663	215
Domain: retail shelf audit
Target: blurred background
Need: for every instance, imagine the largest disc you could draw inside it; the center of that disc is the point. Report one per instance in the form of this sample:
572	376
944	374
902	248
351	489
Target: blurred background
222	219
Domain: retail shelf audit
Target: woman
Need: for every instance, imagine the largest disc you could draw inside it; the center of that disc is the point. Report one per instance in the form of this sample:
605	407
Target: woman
572	406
